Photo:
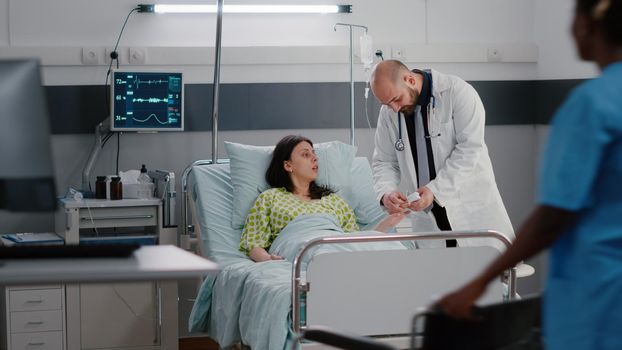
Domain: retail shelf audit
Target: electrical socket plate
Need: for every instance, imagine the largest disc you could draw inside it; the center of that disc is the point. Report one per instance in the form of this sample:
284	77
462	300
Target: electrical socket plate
138	55
494	54
397	53
90	55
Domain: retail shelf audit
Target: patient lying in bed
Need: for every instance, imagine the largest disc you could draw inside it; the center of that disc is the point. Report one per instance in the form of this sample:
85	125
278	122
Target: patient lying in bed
291	174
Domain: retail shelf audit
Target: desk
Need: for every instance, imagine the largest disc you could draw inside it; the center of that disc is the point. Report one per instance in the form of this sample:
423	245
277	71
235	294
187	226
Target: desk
148	263
162	263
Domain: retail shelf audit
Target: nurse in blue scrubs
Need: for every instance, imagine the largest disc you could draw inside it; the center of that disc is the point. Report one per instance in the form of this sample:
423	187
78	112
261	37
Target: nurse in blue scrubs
580	201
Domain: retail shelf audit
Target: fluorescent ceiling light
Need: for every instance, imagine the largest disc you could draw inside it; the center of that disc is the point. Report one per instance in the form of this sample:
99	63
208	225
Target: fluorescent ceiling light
169	8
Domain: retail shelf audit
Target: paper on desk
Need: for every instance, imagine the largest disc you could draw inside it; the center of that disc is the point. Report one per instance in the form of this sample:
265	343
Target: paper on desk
129	177
33	237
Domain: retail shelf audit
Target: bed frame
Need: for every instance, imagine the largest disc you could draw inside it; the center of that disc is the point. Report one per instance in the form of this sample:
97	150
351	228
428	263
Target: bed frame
352	292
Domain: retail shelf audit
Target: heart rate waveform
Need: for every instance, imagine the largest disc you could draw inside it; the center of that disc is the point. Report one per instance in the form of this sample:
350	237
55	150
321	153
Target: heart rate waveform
136	82
149	117
150	100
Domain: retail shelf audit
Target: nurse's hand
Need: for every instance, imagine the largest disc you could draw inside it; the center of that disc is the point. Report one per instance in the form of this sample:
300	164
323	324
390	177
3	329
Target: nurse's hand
459	304
427	197
395	202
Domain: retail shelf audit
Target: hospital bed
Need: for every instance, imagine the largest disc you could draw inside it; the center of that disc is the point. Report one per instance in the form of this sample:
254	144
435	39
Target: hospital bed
367	291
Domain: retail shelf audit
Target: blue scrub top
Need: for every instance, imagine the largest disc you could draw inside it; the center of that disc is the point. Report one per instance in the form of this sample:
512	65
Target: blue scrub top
581	171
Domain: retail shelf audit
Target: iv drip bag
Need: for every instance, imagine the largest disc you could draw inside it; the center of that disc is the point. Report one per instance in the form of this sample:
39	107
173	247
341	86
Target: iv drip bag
367	55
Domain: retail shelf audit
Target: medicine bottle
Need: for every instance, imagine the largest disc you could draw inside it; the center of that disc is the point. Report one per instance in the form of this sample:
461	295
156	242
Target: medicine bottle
100	187
116	188
145	186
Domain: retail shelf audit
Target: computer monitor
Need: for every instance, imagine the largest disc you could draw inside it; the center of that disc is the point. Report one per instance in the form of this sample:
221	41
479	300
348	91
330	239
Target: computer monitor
26	171
147	101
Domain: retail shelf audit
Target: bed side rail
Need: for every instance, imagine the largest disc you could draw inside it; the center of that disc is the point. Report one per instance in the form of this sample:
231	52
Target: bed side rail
187	229
299	286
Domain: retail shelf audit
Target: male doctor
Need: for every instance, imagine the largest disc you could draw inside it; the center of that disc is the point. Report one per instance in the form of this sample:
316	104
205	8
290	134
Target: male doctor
430	135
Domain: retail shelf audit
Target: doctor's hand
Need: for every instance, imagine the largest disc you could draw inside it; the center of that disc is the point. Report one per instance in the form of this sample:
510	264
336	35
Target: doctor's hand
395	202
427	197
459	304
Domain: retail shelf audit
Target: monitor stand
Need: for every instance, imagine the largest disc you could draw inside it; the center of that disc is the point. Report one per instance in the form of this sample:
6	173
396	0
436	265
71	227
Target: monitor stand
101	130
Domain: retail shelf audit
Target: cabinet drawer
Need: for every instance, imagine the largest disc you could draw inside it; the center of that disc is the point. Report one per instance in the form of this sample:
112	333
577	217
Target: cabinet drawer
37	341
36	321
119	217
35	299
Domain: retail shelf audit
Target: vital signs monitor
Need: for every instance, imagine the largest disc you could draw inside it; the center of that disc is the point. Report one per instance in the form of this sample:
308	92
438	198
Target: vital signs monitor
147	101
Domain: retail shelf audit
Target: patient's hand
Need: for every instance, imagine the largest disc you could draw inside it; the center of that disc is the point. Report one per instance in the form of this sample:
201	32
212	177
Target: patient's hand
389	222
259	254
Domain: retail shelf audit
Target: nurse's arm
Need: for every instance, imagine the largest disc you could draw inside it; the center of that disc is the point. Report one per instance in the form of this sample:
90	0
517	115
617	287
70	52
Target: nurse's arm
542	228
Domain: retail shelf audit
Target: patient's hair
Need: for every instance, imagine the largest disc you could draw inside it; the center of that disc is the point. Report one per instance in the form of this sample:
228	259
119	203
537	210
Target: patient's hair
278	177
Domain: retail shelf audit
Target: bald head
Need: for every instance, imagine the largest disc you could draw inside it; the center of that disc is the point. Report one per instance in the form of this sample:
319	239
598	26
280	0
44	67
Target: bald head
395	85
389	71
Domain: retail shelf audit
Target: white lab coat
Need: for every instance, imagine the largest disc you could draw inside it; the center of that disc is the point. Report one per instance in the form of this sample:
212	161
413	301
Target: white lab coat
465	183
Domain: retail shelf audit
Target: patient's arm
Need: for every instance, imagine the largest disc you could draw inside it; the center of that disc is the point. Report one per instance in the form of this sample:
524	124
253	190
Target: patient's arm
390	221
258	254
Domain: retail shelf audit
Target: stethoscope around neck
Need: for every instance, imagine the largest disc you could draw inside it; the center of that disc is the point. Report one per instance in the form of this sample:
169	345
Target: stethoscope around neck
399	144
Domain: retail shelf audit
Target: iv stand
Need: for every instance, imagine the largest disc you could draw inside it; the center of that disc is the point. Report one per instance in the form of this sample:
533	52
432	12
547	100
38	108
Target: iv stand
351	76
216	91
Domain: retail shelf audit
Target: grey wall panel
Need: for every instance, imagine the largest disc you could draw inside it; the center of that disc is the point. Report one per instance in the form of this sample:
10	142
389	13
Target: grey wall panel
507	102
269	106
549	96
76	109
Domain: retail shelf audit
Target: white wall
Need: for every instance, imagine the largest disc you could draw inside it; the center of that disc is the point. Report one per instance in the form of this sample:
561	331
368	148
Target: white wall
57	31
558	57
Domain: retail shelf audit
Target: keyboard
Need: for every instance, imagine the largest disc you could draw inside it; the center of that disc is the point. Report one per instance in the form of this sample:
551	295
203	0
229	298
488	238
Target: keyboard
67	251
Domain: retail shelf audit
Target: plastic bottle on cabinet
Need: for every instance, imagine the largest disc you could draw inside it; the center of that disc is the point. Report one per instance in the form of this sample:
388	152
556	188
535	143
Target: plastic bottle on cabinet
145	185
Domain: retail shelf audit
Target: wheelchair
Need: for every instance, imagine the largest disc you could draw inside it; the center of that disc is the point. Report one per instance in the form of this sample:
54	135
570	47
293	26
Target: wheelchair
513	325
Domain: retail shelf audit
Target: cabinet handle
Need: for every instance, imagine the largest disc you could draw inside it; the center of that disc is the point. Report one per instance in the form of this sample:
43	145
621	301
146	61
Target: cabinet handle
36	343
123	217
34	301
34	322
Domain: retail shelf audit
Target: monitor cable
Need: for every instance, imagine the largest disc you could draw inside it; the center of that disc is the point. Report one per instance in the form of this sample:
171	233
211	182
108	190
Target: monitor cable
118	149
114	57
106	138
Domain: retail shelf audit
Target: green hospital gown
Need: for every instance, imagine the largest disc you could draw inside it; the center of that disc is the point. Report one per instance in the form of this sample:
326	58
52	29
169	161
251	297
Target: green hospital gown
276	207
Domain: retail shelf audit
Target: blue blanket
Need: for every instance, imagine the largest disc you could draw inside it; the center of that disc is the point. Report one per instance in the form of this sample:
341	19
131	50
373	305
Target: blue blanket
251	302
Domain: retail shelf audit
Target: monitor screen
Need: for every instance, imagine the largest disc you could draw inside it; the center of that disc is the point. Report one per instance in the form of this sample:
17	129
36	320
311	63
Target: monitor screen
26	171
147	101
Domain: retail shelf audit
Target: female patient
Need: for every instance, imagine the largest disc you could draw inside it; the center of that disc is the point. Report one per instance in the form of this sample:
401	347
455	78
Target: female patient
291	174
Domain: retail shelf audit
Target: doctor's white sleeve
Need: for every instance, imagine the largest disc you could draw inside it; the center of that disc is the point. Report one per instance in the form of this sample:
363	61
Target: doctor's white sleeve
385	165
469	120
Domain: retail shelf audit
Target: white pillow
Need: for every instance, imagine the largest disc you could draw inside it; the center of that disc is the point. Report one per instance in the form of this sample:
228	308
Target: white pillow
249	164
